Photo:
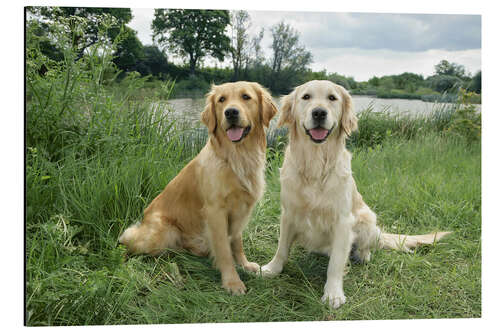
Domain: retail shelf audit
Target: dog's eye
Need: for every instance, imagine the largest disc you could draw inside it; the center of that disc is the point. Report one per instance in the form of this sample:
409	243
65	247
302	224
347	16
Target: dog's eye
306	96
331	98
246	97
222	99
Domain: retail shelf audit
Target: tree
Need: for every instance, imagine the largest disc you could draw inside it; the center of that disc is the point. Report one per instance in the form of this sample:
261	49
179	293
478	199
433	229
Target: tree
153	62
346	82
408	81
240	23
452	69
374	81
192	34
89	34
475	84
129	51
445	83
256	57
289	57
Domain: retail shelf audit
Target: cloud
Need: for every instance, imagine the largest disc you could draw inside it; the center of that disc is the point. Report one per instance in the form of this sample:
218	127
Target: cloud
372	31
141	22
364	64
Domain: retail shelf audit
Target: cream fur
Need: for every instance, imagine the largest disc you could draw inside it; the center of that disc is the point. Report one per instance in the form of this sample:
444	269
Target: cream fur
322	209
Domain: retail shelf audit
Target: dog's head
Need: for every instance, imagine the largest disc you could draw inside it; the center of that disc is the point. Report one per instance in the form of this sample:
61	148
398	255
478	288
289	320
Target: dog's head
318	109
238	110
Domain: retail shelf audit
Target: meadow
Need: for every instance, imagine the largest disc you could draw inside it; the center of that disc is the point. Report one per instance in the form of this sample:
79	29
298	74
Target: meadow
96	157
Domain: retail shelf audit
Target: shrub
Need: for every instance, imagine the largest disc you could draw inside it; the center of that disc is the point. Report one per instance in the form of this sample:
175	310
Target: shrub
397	94
194	86
445	83
466	120
375	127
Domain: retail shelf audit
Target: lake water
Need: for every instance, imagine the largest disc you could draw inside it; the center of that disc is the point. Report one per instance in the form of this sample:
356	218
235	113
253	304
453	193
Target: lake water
188	110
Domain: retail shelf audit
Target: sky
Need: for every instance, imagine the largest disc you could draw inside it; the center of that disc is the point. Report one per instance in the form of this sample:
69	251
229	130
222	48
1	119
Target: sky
363	45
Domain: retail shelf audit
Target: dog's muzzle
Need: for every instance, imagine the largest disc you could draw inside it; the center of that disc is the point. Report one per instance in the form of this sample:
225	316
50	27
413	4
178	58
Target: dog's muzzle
235	133
318	133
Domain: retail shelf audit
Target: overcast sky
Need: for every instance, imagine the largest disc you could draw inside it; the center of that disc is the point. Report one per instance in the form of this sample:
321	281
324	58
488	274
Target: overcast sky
364	45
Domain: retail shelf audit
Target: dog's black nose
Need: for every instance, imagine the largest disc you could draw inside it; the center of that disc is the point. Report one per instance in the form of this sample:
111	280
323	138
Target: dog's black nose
319	114
232	114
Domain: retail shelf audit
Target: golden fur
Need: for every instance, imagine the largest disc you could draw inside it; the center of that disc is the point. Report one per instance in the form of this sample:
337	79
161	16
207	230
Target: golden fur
321	206
205	208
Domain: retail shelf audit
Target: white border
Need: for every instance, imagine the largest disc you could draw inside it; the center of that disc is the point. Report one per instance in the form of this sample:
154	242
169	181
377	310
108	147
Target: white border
13	172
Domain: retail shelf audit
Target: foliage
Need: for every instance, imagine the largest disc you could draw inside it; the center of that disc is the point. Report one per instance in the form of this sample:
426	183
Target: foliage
289	59
196	86
192	33
197	34
88	34
153	62
445	83
475	85
129	51
256	54
240	42
395	93
466	120
408	81
374	128
444	67
68	95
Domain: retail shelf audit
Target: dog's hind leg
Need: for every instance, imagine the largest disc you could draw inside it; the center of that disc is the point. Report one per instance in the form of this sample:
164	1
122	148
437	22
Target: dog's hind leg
366	234
152	236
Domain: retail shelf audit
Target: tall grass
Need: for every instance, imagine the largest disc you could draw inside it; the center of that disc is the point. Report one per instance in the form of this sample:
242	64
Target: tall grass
376	127
96	157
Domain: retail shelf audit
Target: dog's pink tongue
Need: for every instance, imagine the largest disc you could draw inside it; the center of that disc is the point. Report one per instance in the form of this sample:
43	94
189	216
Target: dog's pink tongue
318	133
234	133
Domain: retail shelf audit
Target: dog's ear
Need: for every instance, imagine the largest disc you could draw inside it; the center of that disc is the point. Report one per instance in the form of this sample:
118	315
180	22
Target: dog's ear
267	107
208	116
349	121
286	117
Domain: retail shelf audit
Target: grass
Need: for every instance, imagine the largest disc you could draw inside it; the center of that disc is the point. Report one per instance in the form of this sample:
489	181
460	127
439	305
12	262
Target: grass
77	275
96	158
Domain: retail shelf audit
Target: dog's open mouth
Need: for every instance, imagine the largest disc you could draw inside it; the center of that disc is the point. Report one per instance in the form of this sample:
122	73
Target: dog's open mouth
236	133
318	134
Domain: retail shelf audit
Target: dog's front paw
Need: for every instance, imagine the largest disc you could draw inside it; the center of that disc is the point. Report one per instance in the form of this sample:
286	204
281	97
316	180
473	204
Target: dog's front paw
234	286
269	271
251	267
335	299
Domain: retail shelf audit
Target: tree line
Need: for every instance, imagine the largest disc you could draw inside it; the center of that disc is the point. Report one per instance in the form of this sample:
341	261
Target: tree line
197	35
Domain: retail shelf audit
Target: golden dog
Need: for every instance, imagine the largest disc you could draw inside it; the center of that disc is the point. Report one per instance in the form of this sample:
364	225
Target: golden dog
205	208
321	206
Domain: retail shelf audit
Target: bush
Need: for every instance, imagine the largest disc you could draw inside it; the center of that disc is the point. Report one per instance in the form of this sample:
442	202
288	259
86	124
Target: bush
397	94
364	91
194	86
445	83
375	127
466	120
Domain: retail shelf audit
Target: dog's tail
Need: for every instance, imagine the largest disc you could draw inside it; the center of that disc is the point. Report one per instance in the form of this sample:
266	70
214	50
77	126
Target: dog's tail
151	236
407	242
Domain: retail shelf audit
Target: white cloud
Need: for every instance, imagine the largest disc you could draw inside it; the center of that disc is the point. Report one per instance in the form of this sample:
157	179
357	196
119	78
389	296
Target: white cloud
364	64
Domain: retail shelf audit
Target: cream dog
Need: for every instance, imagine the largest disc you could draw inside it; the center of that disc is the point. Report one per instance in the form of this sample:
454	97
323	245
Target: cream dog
321	207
